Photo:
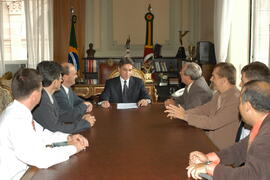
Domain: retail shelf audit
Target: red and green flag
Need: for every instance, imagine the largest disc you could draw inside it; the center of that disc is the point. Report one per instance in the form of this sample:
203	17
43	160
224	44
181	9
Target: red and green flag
148	48
73	56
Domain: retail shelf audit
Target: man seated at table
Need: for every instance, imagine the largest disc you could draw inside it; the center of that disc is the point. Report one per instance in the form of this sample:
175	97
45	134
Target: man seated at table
67	100
196	92
252	71
47	113
125	88
253	151
22	140
220	116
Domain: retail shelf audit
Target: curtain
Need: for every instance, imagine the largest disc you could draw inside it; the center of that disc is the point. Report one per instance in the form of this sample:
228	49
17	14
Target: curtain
222	28
39	32
2	64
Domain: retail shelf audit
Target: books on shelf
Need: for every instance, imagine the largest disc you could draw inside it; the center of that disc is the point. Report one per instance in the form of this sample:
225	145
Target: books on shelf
161	66
173	81
138	65
91	66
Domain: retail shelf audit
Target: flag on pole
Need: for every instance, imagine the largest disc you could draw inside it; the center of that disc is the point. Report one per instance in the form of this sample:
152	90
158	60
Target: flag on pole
148	48
73	56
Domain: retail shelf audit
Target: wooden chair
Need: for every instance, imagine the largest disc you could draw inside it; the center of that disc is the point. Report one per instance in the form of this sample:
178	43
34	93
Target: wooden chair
5	91
105	69
135	72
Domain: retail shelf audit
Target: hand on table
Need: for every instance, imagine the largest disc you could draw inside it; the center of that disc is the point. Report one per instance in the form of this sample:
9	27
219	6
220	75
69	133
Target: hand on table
78	141
168	102
91	119
175	111
89	106
105	104
195	170
197	157
143	102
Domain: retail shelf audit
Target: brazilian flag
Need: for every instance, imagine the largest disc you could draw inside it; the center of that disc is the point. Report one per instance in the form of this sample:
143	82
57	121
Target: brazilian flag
73	57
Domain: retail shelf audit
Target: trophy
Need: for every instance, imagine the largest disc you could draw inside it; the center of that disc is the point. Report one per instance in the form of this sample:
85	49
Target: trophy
148	75
191	52
181	50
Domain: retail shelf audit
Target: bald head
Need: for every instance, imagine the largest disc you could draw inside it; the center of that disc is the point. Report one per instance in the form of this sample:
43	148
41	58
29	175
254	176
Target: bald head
69	74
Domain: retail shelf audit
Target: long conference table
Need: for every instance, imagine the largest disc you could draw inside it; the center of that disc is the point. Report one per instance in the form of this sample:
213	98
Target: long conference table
131	144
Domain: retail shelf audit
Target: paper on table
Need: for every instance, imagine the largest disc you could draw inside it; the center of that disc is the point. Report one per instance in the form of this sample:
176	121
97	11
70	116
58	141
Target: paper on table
126	105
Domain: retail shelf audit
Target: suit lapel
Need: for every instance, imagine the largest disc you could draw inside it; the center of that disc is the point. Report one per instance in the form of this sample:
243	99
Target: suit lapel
131	86
70	96
119	89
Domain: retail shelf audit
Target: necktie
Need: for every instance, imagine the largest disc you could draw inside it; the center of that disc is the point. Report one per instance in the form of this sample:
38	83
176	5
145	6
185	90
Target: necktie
124	95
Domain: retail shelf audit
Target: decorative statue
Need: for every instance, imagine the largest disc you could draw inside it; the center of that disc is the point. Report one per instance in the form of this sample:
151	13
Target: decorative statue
90	52
181	50
127	46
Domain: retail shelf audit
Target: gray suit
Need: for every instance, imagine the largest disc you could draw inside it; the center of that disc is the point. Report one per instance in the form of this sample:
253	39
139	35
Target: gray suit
199	94
47	115
71	103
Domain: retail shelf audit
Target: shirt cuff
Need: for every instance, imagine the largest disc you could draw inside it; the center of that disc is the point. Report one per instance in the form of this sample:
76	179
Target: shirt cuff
99	103
148	101
71	150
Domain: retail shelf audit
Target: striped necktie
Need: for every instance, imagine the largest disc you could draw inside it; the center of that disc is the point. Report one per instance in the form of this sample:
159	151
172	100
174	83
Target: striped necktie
124	93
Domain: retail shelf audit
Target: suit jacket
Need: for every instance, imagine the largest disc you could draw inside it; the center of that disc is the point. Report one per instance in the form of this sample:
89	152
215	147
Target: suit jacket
113	90
72	104
199	94
219	117
256	159
47	115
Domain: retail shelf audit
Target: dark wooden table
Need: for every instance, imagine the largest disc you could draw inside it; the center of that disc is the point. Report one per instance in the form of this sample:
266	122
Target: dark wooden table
132	144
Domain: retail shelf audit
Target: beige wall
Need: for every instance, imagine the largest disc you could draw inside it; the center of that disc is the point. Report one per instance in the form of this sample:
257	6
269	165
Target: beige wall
110	22
107	23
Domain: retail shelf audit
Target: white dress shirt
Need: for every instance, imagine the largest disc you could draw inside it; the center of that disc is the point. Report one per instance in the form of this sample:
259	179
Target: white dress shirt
66	89
189	87
122	83
22	144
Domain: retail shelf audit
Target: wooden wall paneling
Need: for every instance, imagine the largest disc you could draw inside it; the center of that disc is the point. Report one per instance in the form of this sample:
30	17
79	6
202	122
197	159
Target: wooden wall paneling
61	32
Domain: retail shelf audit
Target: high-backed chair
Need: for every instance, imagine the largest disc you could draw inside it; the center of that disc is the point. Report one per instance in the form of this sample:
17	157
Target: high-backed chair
135	72
5	98
5	91
105	69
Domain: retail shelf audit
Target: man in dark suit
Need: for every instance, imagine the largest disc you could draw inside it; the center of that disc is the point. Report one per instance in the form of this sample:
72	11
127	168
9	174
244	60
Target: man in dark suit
67	100
196	92
46	113
253	150
125	88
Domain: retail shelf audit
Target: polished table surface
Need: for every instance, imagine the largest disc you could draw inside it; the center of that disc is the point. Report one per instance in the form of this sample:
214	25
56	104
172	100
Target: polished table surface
132	144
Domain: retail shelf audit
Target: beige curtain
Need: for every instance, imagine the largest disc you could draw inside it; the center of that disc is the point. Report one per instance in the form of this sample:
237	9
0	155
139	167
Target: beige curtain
39	31
222	28
2	64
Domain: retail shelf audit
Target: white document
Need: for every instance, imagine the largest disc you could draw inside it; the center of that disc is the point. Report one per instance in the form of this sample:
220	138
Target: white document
126	105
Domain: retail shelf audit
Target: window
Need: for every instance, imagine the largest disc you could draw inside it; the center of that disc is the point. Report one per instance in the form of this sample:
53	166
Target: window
14	32
260	31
